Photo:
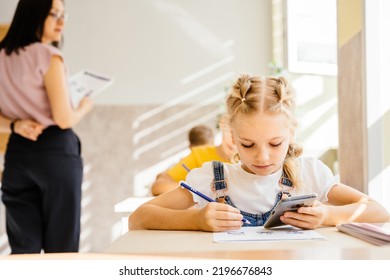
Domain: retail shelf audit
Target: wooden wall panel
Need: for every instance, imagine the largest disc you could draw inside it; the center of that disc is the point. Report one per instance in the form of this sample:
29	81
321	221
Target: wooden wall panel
351	102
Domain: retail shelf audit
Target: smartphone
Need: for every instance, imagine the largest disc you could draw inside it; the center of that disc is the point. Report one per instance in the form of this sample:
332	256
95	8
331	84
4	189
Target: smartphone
289	204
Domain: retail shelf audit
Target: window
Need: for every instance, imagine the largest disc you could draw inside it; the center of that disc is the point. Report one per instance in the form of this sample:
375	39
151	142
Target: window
312	36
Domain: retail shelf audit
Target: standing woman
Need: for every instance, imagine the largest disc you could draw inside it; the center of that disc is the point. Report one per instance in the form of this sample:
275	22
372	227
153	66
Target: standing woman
42	179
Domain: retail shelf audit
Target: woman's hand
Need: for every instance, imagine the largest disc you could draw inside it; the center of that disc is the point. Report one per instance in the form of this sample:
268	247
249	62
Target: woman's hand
219	217
86	104
28	129
307	217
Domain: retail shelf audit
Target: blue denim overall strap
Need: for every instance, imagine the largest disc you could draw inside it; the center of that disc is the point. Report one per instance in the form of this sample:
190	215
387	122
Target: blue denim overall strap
286	184
220	184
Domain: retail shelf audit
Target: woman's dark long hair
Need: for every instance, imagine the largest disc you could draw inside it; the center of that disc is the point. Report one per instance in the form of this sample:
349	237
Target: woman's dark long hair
27	25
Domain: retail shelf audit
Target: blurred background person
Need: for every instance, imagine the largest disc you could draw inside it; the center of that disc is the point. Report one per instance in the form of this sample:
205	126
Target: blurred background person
41	182
200	135
224	152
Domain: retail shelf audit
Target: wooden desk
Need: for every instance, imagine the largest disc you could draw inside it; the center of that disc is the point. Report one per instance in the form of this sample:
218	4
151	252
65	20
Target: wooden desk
78	256
195	244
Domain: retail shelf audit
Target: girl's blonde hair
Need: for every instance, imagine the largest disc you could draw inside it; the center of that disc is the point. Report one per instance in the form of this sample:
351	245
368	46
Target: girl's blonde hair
253	94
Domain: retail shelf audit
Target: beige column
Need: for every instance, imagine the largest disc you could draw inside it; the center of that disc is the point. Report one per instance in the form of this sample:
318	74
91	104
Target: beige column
351	95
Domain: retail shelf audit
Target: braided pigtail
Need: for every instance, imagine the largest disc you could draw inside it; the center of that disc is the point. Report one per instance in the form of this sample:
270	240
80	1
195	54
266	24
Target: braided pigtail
284	97
290	167
243	97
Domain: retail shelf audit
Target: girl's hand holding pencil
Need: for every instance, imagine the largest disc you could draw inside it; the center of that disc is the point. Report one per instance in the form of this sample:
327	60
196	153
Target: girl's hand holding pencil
217	216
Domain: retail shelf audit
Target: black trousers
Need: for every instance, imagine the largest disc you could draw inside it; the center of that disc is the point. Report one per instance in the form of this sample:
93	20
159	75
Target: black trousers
41	191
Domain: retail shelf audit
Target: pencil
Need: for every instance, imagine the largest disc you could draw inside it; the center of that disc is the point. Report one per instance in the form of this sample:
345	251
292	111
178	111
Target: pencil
205	197
185	167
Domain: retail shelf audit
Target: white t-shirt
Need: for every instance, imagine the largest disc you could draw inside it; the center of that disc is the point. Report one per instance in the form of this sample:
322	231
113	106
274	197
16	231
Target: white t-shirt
257	194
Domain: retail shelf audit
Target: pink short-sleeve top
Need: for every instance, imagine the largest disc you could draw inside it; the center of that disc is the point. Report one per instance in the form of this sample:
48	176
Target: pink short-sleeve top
22	89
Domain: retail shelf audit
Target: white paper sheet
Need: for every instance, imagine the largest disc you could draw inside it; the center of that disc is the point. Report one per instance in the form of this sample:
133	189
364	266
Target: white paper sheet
260	234
88	83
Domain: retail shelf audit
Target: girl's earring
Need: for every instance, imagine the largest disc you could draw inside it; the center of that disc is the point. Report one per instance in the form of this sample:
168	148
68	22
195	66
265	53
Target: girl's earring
236	158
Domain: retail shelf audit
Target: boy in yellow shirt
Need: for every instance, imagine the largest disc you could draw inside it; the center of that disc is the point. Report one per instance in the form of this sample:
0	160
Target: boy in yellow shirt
169	179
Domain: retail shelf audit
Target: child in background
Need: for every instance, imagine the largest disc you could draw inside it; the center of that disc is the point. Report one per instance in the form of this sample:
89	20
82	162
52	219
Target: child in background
260	114
200	154
200	135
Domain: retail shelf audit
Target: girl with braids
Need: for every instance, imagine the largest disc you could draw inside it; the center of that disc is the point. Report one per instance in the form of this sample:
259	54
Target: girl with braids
260	115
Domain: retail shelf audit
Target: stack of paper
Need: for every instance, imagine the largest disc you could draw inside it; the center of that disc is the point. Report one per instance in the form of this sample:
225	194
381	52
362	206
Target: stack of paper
376	233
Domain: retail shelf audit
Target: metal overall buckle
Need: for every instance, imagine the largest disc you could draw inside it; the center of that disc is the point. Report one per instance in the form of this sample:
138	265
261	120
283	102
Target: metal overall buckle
286	186
221	193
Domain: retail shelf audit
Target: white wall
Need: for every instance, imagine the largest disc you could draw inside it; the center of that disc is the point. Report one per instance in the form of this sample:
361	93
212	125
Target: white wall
7	9
377	43
152	46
